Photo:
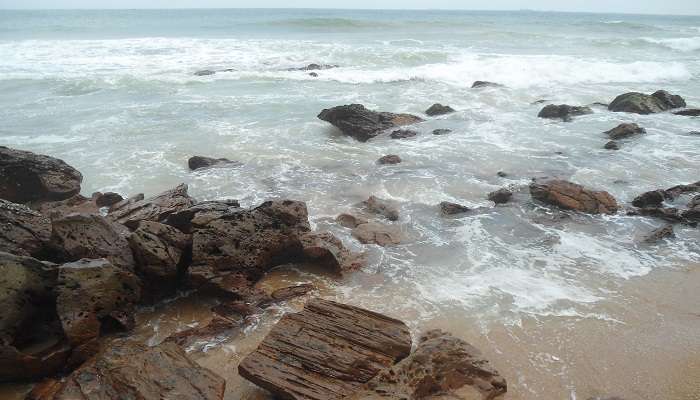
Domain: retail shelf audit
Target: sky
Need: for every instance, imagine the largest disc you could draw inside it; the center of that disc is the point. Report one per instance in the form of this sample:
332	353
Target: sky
688	7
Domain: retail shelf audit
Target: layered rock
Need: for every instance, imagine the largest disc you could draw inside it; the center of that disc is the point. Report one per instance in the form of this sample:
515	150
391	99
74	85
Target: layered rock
72	205
201	162
17	365
623	131
23	231
156	208
570	196
107	199
439	109
563	111
362	124
640	103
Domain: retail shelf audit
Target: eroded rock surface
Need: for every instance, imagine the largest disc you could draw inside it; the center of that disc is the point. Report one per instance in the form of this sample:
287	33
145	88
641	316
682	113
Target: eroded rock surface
156	208
500	196
324	249
362	124
23	231
570	196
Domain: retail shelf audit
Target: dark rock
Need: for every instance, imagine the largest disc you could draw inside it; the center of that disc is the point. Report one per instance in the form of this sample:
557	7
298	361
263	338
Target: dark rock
107	199
563	112
25	177
624	131
480	84
156	208
641	103
694	133
389	160
314	67
500	196
375	205
91	236
447	208
376	233
541	101
570	196
659	234
438	109
205	72
46	389
442	131
694	202
22	231
403	134
669	214
327	351
441	367
313	74
670	100
200	162
18	365
350	221
678	190
653	198
362	124
200	214
599	104
326	250
612	145
501	174
691	112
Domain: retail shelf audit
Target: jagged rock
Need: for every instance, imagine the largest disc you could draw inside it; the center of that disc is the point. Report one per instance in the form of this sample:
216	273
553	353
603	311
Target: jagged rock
389	160
563	112
46	389
376	233
129	370
351	221
327	351
624	131
691	112
403	134
25	177
441	131
328	251
22	231
439	109
375	205
694	202
362	124
480	84
641	103
442	367
612	145
500	196
107	199
200	162
126	202
94	295
570	196
653	198
156	208
205	72
79	236
200	214
659	234
447	208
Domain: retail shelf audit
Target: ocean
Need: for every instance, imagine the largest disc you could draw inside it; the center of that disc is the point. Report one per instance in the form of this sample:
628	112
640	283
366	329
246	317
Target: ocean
567	305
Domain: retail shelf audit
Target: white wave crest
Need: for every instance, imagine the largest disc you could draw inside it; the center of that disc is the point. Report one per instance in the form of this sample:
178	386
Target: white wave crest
687	44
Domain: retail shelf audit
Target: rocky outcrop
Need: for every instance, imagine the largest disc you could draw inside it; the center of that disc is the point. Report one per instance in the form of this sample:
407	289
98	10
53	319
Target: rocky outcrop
480	84
439	109
389	159
500	196
200	162
23	231
59	209
155	209
129	370
691	112
563	112
623	131
442	131
327	351
448	208
640	103
362	124
570	196
378	206
326	250
441	367
25	177
377	233
403	134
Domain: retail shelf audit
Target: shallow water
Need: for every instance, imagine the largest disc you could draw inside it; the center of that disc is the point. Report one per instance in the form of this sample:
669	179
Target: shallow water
113	93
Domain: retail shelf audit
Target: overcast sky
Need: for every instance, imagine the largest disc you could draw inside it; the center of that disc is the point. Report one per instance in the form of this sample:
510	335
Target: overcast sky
625	6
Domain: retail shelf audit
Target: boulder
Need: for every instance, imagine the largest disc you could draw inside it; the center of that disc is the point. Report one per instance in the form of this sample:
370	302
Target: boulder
326	250
156	208
79	236
640	103
447	208
376	233
25	177
563	112
654	198
390	159
624	131
659	234
200	162
441	367
611	145
500	196
375	205
94	296
403	134
570	196
480	84
129	370
107	199
362	124
691	112
326	351
441	131
23	231
200	214
439	109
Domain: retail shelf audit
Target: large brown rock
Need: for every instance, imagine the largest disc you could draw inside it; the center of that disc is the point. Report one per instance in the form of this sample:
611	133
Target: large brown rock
23	231
79	236
362	124
570	196
156	208
640	103
25	177
442	367
128	370
327	351
94	295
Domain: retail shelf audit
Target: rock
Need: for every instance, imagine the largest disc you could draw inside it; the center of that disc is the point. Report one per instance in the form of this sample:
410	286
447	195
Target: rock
107	199
22	231
500	196
624	131
324	249
669	214
350	221
599	104
442	367
205	72
659	234
25	177
16	365
200	214
447	208
126	202
62	208
541	101
200	162
480	84
501	174
129	370
362	124
654	198
287	293
570	196
313	74
375	205
216	330
442	131
640	103
46	389
314	67
438	109
563	112
376	233
694	202
694	133
691	112
389	160
327	351
94	296
403	134
79	236
156	208
678	190
161	253
612	145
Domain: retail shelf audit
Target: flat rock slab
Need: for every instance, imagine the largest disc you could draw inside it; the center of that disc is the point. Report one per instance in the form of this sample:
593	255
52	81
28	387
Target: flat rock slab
327	351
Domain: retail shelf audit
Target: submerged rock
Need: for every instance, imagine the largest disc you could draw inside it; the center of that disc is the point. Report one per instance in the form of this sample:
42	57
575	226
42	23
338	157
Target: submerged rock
611	145
480	84
570	196
200	162
389	159
500	196
439	109
563	112
156	208
403	134
691	112
659	234
362	124
26	176
351	221
441	131
326	250
624	131
377	233
640	103
22	231
448	208
375	205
